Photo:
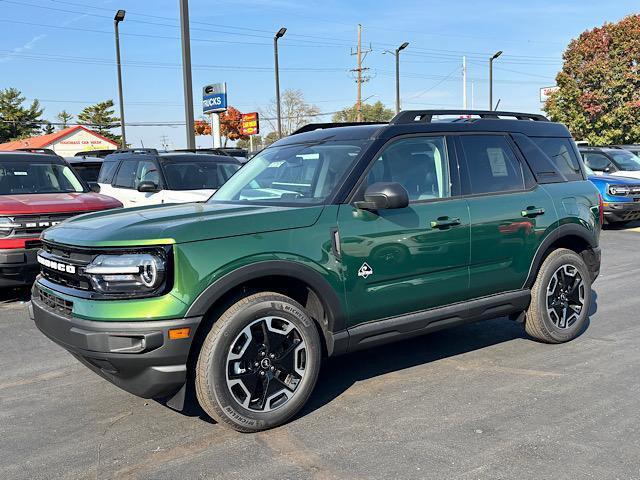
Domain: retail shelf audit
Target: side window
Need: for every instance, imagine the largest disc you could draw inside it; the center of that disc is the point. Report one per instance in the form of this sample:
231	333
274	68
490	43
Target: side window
419	164
491	164
107	170
562	154
147	171
596	161
126	174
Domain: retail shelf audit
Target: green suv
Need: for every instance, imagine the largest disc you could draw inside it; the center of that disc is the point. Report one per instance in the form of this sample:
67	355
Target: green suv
336	238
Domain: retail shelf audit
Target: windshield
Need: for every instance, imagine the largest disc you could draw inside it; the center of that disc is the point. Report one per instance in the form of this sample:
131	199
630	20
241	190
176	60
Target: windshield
626	161
588	169
198	174
292	174
22	177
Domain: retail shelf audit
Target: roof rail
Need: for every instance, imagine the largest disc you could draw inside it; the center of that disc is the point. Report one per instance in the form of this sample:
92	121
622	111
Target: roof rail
425	116
150	151
321	126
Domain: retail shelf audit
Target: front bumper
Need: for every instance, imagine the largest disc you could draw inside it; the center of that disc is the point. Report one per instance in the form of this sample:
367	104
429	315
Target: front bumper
622	211
18	266
137	356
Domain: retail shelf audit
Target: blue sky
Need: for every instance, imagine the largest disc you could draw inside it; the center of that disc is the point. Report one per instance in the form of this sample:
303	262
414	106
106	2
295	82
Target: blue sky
61	52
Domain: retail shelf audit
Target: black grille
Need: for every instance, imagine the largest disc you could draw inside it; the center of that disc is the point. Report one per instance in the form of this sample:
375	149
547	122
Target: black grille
33	225
78	259
57	304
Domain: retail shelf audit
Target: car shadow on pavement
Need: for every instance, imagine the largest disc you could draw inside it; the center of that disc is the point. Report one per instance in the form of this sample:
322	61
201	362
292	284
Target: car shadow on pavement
341	373
10	295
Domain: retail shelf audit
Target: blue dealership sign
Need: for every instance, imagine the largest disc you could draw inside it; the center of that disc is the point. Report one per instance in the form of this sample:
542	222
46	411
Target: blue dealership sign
214	98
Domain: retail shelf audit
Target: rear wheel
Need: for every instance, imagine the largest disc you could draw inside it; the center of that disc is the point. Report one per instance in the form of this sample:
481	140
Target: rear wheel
259	363
560	298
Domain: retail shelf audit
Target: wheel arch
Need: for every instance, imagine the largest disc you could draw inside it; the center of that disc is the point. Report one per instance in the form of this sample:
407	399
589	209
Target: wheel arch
300	282
571	236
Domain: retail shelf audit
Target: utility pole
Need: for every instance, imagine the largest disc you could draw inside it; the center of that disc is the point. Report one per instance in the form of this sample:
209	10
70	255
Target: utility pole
473	106
464	82
495	55
360	79
116	21
186	73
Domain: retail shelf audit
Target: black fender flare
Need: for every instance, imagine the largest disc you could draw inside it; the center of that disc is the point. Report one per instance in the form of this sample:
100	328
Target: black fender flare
571	229
327	295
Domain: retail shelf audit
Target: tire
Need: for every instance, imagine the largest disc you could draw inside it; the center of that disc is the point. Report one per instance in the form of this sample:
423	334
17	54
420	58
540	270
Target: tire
236	362
551	316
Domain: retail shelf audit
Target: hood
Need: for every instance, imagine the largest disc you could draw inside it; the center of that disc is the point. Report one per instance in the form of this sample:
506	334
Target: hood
186	222
614	179
184	196
41	203
633	174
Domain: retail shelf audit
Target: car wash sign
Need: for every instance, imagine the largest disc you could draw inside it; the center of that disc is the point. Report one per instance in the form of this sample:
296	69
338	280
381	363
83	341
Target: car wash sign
214	98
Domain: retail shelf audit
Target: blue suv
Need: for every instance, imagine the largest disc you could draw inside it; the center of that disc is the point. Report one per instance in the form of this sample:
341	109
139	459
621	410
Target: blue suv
620	197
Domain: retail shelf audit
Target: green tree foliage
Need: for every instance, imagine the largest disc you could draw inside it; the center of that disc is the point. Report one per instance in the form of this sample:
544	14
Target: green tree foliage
48	128
599	85
17	121
64	117
370	113
101	118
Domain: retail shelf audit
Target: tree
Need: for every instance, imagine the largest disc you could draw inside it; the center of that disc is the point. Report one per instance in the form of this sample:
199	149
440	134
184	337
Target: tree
17	121
370	113
230	123
100	117
64	117
599	85
202	127
295	112
48	128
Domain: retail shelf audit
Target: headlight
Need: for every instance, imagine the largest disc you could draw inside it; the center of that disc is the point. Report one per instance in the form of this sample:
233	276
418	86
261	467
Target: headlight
618	190
138	273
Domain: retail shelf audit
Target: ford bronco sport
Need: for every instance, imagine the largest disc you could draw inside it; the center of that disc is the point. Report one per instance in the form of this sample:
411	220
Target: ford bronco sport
333	239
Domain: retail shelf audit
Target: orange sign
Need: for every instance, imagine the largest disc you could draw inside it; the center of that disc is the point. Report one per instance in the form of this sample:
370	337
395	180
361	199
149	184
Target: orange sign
250	124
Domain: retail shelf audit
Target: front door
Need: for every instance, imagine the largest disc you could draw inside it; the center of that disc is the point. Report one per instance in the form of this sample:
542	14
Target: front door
405	260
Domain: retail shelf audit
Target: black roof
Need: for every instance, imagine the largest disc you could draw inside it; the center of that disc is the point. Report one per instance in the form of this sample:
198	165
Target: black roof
172	156
27	156
422	121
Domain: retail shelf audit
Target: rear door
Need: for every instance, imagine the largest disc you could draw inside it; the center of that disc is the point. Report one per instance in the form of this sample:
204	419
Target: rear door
510	214
405	260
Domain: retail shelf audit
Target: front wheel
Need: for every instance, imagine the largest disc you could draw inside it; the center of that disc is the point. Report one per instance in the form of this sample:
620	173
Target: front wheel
560	298
259	363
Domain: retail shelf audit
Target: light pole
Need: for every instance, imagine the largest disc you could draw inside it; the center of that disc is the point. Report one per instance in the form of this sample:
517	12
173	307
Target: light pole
116	20
186	74
279	34
400	48
495	55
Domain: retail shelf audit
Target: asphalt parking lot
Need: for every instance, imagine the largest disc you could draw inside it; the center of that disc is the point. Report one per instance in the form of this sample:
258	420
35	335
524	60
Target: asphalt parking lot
480	401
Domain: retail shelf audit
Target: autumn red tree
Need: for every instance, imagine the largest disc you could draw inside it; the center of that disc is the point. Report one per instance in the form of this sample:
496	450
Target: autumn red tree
202	127
230	122
599	85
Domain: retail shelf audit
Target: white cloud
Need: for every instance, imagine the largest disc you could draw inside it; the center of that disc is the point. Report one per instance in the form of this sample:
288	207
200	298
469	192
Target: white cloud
26	47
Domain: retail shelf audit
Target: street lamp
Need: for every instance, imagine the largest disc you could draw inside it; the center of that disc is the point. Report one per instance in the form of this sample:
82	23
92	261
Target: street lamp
116	20
279	34
185	40
495	55
401	47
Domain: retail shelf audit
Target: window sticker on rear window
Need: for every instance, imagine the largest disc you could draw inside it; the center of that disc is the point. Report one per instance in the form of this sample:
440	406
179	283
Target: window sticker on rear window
20	174
498	162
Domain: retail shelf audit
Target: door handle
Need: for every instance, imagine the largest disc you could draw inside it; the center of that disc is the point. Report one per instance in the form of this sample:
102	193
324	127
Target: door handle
445	222
532	212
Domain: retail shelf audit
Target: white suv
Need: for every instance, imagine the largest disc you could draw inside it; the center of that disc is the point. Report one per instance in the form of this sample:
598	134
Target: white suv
146	177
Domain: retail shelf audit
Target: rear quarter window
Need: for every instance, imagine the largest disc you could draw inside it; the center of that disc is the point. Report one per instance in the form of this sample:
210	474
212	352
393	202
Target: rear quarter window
562	155
107	170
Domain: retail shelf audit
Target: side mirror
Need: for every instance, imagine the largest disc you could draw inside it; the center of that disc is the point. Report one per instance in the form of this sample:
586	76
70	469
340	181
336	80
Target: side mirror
607	169
148	187
384	195
94	187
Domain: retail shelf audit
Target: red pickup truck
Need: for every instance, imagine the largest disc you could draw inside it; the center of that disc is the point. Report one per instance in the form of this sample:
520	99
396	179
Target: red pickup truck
36	192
